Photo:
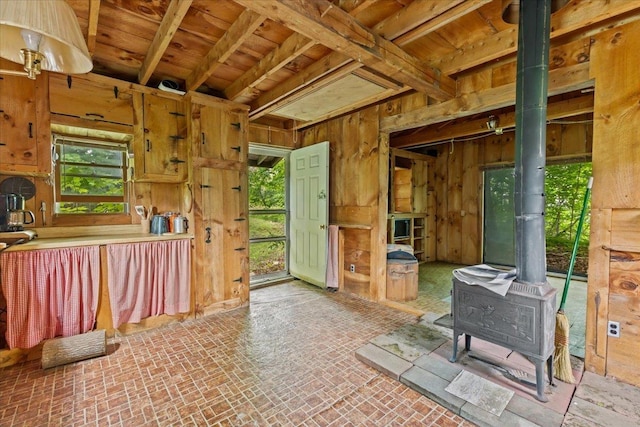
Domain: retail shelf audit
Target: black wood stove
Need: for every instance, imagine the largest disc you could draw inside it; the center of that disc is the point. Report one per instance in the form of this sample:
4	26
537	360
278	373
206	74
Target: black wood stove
523	320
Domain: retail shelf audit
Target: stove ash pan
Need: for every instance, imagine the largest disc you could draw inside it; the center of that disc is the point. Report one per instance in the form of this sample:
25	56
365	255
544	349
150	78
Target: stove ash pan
523	321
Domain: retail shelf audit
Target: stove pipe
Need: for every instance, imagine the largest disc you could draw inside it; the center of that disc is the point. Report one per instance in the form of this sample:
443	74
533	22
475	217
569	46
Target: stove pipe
531	131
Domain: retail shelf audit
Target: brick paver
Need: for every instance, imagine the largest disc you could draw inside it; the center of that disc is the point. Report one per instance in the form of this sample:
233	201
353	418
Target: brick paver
288	360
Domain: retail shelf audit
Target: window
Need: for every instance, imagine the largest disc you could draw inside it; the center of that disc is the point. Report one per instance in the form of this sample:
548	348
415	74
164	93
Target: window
565	185
90	176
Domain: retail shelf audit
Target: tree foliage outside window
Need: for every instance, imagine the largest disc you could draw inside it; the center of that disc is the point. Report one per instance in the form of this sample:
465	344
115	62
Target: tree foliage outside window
90	177
267	192
267	187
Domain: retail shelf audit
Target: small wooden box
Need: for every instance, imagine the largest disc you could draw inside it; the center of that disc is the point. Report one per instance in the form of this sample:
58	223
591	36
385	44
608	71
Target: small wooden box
402	279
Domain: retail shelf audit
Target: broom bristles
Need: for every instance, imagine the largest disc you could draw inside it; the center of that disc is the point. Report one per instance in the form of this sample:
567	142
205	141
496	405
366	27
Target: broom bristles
561	357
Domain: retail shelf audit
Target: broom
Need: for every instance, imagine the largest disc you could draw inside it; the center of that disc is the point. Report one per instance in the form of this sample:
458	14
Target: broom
561	357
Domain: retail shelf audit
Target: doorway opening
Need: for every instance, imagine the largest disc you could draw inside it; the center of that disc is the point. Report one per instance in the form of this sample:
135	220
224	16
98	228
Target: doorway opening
268	215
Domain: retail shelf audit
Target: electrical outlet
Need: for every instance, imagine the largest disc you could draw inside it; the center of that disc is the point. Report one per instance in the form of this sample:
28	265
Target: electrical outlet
352	268
613	329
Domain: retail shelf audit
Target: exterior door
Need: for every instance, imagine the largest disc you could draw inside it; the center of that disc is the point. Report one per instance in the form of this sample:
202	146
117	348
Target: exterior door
309	189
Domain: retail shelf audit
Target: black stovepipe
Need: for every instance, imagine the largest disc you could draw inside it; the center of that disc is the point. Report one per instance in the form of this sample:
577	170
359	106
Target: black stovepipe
531	130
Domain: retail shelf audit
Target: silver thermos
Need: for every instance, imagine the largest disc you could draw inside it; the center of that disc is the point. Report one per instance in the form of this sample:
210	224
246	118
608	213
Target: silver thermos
180	225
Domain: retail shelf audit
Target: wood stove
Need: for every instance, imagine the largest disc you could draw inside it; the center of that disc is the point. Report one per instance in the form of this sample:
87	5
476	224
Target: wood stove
523	320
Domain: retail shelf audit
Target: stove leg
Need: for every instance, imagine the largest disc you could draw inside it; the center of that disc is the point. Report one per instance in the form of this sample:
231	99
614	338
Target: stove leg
467	342
550	369
454	356
540	381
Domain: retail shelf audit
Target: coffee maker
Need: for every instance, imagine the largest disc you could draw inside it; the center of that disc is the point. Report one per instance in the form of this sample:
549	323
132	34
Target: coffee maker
13	216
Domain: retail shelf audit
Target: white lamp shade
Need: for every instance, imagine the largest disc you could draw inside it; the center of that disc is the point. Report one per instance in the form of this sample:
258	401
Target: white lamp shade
62	45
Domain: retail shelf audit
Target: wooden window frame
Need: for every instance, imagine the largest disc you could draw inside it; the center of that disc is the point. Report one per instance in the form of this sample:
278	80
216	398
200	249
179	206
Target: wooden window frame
61	218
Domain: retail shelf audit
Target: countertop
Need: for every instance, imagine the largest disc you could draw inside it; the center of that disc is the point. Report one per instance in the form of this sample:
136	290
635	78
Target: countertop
68	242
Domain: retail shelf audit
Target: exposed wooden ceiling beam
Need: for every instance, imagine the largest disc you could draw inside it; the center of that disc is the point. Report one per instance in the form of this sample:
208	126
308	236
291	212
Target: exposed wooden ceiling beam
290	49
331	26
238	32
504	43
561	80
176	11
556	110
270	101
92	31
435	22
412	16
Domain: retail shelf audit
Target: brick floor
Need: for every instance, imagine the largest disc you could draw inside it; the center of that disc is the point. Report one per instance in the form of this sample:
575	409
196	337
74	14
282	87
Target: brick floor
288	360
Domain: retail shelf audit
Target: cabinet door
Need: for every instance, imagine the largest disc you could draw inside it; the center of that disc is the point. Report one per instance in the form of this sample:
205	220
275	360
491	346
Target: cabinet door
89	100
222	134
18	131
160	139
221	234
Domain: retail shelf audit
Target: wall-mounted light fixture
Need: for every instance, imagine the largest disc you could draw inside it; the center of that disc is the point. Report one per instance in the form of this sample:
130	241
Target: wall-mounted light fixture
42	35
493	124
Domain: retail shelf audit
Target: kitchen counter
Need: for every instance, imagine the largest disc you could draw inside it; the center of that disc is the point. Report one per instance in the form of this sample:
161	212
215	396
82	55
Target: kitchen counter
68	242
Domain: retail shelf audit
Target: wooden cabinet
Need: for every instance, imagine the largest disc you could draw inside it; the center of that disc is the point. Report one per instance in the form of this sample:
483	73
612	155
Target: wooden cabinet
160	139
24	124
219	146
82	98
221	238
220	129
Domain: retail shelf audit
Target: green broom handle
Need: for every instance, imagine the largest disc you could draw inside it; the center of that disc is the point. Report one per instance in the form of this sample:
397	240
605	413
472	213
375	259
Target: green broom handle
574	253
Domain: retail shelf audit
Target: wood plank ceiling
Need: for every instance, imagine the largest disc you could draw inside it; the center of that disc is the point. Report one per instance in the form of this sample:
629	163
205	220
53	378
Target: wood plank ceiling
296	62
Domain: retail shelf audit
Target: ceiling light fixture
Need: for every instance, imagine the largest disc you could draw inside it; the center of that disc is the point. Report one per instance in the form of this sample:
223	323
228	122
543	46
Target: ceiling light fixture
42	35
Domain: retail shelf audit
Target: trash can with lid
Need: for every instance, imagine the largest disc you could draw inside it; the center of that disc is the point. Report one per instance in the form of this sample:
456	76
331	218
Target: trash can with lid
402	276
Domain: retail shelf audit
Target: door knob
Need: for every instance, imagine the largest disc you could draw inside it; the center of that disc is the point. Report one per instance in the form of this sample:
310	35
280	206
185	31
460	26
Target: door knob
322	226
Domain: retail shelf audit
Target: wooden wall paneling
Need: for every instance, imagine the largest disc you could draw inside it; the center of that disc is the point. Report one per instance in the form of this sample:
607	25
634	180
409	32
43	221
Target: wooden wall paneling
616	166
471	218
554	140
454	204
508	144
441	202
430	232
357	283
624	295
473	82
337	190
598	291
625	232
419	177
367	159
350	142
379	223
615	56
492	149
271	135
576	137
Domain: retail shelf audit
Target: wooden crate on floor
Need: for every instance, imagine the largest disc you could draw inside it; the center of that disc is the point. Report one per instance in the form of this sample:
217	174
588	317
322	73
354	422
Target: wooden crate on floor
402	280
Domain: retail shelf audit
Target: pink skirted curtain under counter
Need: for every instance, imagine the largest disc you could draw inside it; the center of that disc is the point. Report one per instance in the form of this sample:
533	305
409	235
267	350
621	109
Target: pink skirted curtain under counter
49	293
148	279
